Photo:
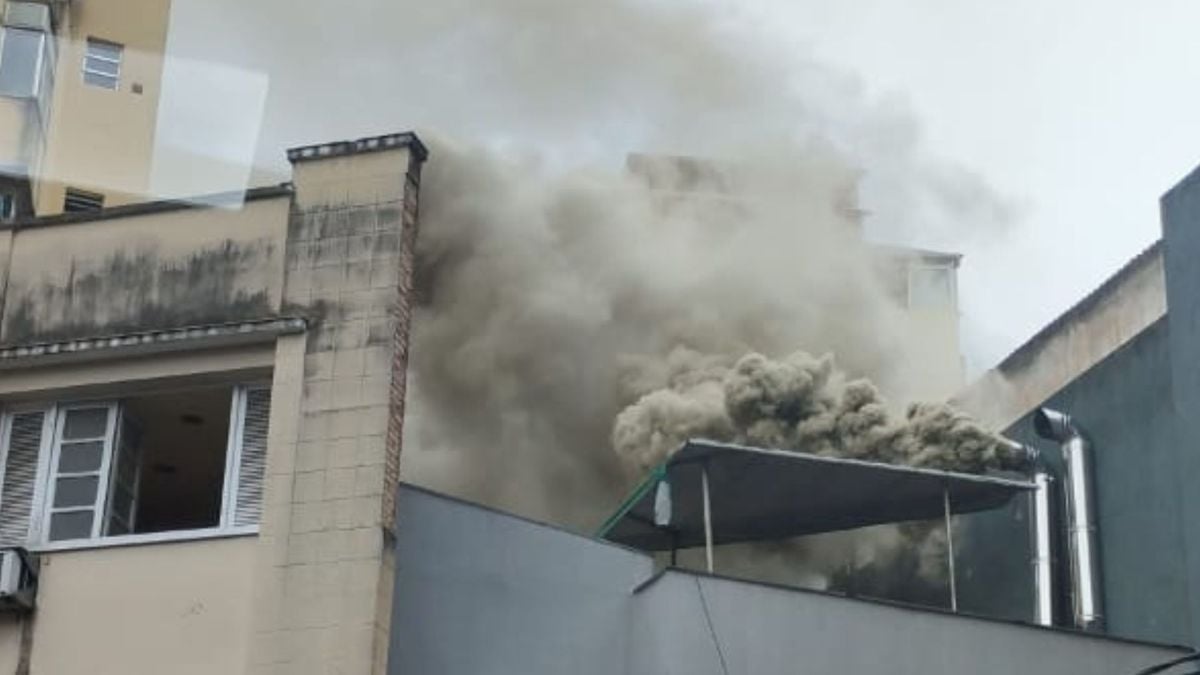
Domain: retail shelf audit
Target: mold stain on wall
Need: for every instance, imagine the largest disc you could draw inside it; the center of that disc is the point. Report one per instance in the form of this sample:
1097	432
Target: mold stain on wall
143	289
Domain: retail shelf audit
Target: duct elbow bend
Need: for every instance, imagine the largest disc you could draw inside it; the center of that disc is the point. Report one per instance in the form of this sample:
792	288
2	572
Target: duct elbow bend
1054	425
1027	457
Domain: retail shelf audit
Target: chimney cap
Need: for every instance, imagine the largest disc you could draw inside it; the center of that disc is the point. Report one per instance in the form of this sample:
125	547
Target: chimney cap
405	139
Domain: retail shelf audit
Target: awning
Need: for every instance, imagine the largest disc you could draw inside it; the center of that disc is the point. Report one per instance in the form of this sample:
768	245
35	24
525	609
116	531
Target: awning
757	494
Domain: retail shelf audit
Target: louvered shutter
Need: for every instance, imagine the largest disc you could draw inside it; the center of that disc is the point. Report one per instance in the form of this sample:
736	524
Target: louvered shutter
252	458
24	445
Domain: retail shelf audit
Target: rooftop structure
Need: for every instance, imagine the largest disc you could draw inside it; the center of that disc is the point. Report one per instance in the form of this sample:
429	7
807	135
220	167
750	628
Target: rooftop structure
762	495
507	595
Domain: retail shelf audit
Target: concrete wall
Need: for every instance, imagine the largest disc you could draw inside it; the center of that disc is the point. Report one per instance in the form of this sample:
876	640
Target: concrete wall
323	578
478	591
1181	237
697	625
157	270
114	611
931	341
1112	315
482	592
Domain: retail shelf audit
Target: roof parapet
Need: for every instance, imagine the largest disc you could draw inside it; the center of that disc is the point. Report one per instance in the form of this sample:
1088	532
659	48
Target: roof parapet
406	139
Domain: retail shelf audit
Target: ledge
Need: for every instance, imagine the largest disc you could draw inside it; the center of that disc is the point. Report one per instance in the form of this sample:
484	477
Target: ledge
149	538
147	208
149	342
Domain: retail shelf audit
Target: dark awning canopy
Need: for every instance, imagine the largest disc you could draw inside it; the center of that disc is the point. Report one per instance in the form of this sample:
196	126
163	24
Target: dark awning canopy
758	494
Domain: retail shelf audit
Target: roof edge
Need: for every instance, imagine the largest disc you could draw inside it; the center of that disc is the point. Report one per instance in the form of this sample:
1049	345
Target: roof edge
208	201
366	144
913	607
1027	348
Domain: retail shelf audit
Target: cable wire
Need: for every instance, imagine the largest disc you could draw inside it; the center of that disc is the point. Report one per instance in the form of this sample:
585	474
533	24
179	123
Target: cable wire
1194	656
711	630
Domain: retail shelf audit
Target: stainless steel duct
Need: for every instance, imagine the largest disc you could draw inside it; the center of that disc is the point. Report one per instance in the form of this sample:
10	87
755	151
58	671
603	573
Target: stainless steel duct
1040	533
1043	571
1086	593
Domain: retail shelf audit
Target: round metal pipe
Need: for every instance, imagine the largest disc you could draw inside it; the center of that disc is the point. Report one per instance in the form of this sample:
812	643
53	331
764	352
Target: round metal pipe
1086	591
1043	575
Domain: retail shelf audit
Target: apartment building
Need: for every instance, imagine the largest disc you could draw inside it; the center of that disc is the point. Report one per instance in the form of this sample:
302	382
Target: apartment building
79	99
201	423
921	283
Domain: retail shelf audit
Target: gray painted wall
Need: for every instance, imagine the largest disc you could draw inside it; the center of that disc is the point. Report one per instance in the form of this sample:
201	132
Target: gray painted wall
1140	408
1181	241
482	592
1126	407
762	629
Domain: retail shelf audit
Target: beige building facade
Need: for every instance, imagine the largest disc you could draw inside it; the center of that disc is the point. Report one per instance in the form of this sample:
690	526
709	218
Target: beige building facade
80	86
201	423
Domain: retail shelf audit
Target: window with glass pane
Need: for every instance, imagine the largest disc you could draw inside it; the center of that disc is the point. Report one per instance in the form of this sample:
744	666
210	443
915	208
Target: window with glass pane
170	461
930	287
20	60
79	466
123	489
102	64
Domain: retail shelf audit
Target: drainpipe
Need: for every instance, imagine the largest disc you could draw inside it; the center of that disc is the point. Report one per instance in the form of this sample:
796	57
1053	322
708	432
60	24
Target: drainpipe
1086	592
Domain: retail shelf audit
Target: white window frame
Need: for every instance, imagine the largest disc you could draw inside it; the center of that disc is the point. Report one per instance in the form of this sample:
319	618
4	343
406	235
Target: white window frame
103	474
33	532
233	457
89	56
42	508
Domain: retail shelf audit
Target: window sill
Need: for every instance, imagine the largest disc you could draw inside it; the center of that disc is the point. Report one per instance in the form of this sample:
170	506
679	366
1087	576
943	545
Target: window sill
146	539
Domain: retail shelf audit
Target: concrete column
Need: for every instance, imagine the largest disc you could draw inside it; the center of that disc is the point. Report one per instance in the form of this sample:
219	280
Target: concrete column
324	579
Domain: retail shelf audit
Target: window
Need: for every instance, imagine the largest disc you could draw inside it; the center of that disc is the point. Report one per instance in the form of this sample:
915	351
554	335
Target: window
80	460
931	287
8	206
25	50
20	55
170	462
82	200
102	64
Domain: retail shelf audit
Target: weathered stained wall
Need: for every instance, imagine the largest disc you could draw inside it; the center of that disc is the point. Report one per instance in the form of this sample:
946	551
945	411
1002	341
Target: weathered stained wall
325	566
158	270
1116	312
115	610
507	596
1126	406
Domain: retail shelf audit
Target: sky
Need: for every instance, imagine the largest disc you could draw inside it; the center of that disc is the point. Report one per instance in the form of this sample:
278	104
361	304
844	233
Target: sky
1084	113
1074	116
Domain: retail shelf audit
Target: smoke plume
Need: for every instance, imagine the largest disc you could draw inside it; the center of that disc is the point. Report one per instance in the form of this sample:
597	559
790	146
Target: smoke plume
582	314
804	404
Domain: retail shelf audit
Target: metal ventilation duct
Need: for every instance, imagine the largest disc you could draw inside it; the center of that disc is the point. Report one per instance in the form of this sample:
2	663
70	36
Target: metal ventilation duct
1086	592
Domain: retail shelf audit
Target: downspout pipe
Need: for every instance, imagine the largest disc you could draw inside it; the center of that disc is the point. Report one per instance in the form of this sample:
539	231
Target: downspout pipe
1041	531
1086	591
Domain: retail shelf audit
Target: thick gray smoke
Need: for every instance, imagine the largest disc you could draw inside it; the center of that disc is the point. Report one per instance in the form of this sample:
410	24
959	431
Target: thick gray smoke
798	403
561	287
552	301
